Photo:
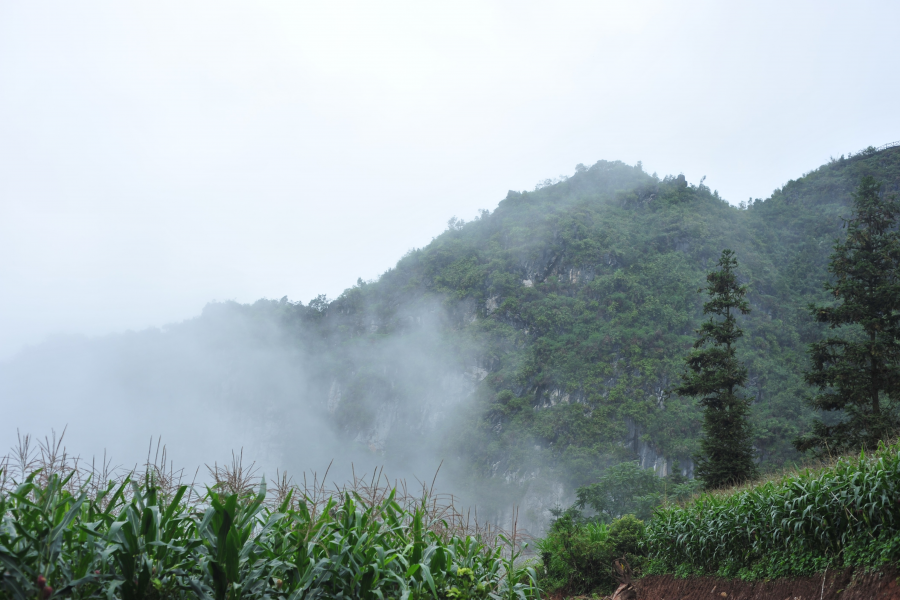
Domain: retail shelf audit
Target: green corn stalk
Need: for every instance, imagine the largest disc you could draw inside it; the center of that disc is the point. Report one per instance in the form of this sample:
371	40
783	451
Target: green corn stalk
811	520
35	533
130	542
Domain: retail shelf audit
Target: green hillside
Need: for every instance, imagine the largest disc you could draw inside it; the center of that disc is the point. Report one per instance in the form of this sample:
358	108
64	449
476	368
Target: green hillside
531	350
574	304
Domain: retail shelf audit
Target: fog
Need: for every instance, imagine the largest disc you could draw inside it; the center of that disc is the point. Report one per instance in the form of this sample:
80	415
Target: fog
159	159
264	381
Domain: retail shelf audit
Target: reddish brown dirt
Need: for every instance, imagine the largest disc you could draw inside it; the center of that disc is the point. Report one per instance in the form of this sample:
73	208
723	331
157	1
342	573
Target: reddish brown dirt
882	584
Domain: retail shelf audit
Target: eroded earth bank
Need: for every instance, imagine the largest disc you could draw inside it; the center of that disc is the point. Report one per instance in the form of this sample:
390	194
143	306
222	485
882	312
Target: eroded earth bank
881	584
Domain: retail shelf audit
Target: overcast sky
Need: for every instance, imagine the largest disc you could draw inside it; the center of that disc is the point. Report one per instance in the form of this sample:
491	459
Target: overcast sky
156	156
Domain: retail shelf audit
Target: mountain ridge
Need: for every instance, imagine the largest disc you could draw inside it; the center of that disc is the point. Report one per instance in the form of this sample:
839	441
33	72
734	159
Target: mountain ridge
534	345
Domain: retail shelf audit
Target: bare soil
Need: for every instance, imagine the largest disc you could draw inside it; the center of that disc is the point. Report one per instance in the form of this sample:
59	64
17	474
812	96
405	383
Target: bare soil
881	584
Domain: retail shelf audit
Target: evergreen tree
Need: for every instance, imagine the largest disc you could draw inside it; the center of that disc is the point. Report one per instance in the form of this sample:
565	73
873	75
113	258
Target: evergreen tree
715	375
858	373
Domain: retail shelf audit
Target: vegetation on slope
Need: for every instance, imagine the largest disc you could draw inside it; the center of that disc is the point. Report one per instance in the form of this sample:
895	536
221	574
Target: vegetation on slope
578	557
856	369
843	516
714	376
846	514
578	301
571	306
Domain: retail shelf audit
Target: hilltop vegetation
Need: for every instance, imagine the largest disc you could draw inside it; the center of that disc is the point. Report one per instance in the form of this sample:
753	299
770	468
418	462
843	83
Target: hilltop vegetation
578	302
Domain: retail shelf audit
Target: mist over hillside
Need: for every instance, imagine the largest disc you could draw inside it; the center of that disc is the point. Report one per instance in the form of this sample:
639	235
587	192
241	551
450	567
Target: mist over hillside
256	378
528	349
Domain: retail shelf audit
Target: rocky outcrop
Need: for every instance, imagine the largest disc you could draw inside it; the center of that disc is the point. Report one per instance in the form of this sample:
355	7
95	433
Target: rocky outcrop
650	457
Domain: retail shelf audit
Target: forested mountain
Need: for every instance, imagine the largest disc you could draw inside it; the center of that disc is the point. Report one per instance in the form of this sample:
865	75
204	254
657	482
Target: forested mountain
578	301
537	344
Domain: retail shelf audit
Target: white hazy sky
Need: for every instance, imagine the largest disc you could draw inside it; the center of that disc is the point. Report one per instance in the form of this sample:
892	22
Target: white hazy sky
156	156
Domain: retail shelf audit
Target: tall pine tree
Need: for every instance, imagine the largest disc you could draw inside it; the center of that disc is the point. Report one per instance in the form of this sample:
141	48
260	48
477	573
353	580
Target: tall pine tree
715	375
858	373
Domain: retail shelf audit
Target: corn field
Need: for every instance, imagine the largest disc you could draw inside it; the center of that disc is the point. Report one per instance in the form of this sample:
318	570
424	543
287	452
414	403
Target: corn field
148	535
844	515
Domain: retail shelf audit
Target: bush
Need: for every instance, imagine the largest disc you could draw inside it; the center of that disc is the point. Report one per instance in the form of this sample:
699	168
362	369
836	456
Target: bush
577	555
626	535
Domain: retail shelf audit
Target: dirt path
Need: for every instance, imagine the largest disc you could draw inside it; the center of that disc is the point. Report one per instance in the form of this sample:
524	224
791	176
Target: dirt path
883	584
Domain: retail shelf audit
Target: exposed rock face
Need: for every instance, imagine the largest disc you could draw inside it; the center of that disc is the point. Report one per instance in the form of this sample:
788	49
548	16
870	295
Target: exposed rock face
334	396
649	458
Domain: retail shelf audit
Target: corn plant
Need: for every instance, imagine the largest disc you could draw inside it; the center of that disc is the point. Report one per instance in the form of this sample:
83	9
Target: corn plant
845	514
32	545
138	539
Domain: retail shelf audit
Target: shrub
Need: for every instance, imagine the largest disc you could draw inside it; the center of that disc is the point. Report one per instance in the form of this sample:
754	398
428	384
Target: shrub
626	535
577	555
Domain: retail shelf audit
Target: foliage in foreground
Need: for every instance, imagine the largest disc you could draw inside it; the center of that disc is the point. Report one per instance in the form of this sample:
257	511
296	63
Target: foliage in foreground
131	541
578	551
577	557
844	515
